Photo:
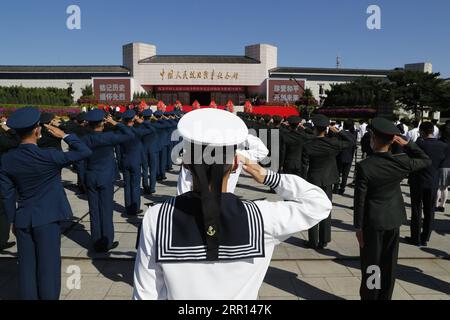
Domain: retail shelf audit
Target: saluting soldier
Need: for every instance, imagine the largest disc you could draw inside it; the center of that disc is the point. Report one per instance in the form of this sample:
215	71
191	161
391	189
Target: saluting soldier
31	178
100	176
379	210
8	140
293	139
208	243
47	140
151	154
131	152
319	157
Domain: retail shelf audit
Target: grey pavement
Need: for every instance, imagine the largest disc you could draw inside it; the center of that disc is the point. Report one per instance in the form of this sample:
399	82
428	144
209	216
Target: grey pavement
296	271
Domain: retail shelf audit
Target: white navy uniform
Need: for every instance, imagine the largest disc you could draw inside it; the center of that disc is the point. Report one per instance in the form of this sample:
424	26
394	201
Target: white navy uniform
171	266
253	148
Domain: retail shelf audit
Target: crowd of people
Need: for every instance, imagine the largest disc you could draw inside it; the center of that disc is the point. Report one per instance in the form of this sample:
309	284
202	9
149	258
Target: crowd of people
206	222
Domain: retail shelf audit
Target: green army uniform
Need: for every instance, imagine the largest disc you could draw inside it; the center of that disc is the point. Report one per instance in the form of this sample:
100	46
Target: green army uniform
379	210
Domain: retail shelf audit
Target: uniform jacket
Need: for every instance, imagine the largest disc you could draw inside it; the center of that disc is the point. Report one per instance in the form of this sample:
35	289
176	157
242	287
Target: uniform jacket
131	151
319	156
33	175
378	202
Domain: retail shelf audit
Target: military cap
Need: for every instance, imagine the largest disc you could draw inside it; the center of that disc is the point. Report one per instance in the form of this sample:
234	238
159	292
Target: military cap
158	113
128	115
81	116
46	118
277	118
267	117
320	120
384	126
95	115
24	118
294	120
147	113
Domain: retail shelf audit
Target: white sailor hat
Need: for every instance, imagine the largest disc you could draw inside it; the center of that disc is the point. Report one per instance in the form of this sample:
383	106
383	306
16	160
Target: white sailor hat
213	127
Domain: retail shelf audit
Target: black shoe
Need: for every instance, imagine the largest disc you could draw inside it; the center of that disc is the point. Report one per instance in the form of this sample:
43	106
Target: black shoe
7	246
146	190
440	209
410	241
342	192
313	245
322	246
113	246
336	191
424	243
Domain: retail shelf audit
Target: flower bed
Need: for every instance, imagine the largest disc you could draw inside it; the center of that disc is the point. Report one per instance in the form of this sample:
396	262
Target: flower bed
58	111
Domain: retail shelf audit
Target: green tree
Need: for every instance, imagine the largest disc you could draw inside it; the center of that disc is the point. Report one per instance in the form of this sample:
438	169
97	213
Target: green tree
414	90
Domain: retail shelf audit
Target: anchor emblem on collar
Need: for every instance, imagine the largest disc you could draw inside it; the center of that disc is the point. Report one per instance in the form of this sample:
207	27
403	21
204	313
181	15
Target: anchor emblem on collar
211	231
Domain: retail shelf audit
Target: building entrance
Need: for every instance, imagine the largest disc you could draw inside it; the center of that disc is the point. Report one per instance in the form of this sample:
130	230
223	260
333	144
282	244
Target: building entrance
204	98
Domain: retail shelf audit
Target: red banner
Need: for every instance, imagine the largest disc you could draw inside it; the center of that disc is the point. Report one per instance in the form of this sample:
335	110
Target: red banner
200	88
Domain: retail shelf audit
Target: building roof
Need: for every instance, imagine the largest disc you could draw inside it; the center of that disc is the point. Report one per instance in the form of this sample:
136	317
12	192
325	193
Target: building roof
200	59
63	69
332	71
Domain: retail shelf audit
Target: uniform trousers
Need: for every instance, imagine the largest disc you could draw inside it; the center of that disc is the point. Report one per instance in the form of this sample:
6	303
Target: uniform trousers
39	256
380	250
162	162
422	198
344	171
132	179
100	199
4	226
321	233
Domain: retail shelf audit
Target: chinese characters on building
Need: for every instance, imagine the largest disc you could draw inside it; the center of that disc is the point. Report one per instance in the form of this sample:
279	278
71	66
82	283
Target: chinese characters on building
287	93
198	75
112	92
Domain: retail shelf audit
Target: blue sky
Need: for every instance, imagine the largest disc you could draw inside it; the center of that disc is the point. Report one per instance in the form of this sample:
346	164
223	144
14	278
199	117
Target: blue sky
307	33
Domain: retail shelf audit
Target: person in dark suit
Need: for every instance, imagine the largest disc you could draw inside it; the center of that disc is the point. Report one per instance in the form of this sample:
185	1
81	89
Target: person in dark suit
345	158
319	156
47	140
36	203
379	210
100	176
8	140
131	152
293	140
424	186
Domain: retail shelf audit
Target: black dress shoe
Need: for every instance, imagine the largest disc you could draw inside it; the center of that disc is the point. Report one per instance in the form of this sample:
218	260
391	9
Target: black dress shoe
322	246
410	241
424	243
440	209
342	192
313	245
7	246
114	245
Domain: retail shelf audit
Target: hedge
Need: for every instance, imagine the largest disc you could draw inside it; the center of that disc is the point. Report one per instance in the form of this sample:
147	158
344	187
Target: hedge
36	96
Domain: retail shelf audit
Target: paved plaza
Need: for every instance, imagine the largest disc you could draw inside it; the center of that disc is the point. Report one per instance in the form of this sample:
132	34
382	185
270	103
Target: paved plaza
296	272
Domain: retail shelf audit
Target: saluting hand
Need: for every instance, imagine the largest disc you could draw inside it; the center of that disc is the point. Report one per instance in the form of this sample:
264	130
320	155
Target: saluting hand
334	129
138	120
110	120
400	141
253	168
54	131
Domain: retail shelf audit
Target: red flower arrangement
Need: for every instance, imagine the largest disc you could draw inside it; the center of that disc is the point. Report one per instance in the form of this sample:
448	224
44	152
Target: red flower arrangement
213	104
196	105
248	108
230	106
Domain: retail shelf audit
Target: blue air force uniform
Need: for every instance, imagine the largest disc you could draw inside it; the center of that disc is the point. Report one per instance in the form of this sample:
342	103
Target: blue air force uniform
132	160
151	147
31	177
100	176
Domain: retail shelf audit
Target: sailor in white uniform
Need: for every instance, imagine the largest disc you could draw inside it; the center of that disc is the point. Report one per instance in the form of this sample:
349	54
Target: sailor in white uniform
252	148
209	244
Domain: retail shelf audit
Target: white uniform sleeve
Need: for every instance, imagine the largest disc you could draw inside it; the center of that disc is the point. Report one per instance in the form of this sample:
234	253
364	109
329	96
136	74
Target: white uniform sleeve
304	207
257	151
184	181
148	275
